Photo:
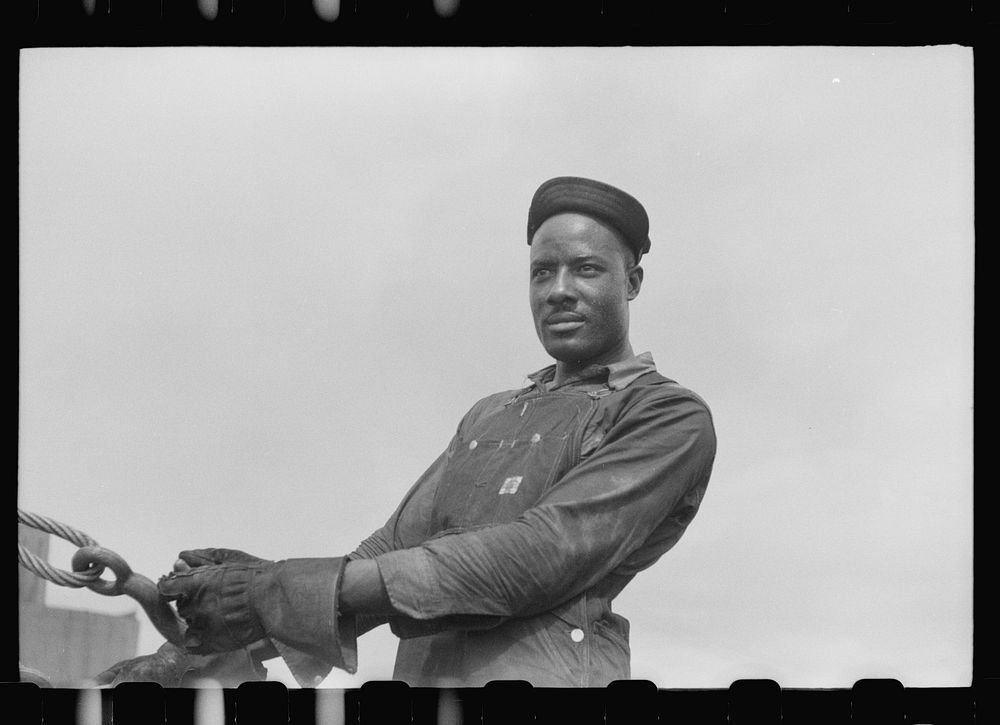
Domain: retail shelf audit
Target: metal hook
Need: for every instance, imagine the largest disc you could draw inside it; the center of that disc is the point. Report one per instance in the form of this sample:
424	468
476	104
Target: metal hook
140	588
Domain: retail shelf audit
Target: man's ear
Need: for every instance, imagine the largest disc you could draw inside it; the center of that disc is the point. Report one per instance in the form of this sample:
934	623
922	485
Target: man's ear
634	282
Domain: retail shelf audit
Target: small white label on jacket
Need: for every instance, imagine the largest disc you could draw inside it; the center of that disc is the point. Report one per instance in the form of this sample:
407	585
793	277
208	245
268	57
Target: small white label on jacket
510	485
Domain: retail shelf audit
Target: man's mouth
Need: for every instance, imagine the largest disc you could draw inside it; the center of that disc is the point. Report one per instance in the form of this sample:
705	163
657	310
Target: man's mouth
563	322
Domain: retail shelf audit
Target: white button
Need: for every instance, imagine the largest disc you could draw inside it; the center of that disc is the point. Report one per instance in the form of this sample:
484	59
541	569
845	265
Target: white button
535	438
473	444
576	635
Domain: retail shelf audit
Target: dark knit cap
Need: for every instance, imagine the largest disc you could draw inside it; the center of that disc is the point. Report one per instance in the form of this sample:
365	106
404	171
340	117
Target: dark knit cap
595	199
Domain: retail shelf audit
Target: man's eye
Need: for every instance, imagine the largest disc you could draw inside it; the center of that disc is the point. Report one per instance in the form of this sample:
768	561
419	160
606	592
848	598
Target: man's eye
588	269
539	273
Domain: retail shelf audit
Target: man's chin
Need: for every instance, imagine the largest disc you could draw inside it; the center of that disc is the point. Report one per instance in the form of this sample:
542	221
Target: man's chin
566	353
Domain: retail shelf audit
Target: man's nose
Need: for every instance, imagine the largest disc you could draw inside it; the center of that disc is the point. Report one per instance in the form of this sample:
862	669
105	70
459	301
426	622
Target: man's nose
561	288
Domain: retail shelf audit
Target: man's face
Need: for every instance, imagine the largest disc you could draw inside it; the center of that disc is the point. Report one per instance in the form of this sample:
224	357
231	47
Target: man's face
581	280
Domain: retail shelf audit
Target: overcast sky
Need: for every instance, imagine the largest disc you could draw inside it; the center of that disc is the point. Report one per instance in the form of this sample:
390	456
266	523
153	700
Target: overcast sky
260	287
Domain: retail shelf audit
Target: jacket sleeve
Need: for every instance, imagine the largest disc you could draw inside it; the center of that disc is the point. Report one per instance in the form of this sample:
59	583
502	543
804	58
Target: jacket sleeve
410	524
616	511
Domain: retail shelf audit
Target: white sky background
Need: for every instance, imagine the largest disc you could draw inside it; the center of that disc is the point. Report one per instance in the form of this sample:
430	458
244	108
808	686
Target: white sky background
260	287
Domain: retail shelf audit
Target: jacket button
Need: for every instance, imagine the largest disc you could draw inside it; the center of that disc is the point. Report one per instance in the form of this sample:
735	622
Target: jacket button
473	444
535	438
576	635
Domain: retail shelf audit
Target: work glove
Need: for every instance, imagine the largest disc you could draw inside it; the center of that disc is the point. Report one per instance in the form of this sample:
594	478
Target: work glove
230	599
171	666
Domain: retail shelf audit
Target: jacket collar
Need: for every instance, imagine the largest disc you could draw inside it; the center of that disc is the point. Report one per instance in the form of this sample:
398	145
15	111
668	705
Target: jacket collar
617	376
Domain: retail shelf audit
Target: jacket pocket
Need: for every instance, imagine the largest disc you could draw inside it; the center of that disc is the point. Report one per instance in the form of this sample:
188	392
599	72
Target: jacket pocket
610	653
614	629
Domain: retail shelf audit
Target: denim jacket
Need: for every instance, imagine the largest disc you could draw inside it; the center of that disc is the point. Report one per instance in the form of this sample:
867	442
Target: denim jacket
504	557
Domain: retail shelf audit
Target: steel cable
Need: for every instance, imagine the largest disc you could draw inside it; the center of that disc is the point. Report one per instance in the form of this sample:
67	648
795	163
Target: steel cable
43	569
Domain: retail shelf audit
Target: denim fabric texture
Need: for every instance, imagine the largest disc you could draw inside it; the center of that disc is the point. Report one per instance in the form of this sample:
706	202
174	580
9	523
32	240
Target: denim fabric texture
504	558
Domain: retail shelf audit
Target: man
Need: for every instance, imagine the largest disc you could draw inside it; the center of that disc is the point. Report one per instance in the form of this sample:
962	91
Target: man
503	559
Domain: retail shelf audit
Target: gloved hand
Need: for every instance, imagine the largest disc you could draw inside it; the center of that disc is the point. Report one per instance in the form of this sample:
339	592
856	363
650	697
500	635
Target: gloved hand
224	616
231	599
171	666
207	557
